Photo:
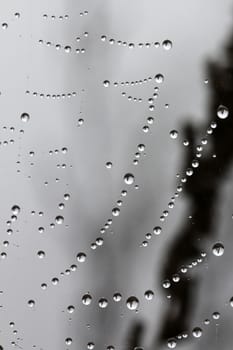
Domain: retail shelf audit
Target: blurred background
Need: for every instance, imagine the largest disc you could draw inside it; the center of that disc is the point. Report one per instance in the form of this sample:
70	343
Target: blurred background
91	92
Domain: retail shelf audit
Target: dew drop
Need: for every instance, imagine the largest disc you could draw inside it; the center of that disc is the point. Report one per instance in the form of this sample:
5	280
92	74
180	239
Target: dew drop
218	249
222	112
116	211
197	332
129	179
173	134
25	117
103	303
149	294
132	303
106	83
68	341
86	299
167	45
70	309
81	257
59	219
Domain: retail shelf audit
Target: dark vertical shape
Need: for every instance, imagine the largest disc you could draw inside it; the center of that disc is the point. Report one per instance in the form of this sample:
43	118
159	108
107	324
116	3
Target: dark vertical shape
202	190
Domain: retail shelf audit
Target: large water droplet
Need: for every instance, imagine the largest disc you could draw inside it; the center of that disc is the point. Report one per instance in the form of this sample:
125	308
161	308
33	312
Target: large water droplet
218	249
197	332
132	303
25	117
86	299
129	179
222	112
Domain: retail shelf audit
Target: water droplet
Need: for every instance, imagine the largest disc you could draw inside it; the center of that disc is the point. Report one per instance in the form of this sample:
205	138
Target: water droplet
70	309
171	344
15	209
159	78
157	230
67	49
197	332
68	341
86	299
31	303
25	117
173	134
109	165
129	179
59	219
218	249
167	45
231	301
132	303
106	83
81	257
116	211
103	303
41	254
222	112
149	294
117	297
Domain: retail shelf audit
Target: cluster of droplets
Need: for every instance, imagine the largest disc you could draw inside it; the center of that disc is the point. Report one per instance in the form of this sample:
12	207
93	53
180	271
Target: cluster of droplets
15	331
183	270
131	98
166	44
132	302
140	151
196	331
53	17
11	140
159	78
65	48
5	25
15	211
188	173
49	96
133	82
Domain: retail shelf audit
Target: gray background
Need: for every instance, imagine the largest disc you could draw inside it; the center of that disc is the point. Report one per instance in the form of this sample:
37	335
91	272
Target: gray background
111	131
